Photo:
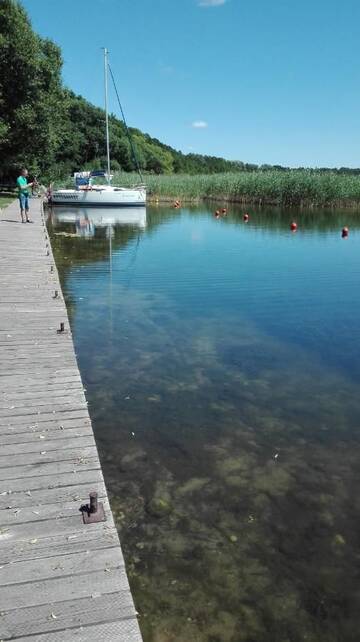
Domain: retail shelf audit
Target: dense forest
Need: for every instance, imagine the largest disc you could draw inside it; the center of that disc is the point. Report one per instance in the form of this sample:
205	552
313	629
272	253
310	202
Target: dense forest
54	132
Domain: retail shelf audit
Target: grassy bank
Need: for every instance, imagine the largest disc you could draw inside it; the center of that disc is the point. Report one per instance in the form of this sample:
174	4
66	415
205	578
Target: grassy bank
6	198
301	188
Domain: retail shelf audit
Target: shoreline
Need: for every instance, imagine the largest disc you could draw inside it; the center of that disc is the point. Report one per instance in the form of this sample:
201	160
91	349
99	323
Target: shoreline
258	202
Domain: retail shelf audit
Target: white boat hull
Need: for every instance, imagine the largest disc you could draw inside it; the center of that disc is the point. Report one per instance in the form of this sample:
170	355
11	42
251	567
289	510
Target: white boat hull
99	197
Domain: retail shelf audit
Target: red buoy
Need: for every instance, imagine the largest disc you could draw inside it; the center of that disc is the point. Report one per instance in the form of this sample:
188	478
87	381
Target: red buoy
246	217
345	232
293	226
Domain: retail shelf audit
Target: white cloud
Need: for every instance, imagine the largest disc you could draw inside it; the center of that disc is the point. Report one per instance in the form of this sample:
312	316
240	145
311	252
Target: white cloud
199	124
211	3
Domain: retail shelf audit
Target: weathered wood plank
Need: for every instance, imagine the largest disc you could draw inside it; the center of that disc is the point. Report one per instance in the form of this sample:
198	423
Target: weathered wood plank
58	588
52	432
58	566
41	458
45	444
25	423
126	630
72	613
47	497
33	473
75	477
59	544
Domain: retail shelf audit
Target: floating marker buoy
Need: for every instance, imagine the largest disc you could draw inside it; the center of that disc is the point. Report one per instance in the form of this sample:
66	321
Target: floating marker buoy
224	211
345	232
217	214
246	217
293	226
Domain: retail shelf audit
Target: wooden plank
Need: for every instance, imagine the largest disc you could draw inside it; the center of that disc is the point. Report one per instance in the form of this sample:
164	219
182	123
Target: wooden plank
46	414
45	421
34	473
74	477
9	437
74	542
72	613
47	497
126	630
58	566
56	589
47	445
43	399
28	462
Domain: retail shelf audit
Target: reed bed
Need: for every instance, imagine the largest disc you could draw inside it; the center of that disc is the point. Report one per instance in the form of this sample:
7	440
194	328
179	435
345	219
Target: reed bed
285	188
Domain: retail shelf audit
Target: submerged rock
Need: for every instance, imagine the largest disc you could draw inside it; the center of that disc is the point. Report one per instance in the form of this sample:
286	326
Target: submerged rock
159	506
132	459
339	540
192	485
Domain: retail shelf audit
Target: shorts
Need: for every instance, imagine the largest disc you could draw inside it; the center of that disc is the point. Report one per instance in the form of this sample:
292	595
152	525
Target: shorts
24	202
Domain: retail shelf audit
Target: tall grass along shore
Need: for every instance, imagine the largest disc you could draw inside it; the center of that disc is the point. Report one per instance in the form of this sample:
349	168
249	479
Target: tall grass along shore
301	188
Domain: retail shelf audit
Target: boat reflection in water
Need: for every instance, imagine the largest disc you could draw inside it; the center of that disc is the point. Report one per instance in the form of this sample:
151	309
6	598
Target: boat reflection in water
87	220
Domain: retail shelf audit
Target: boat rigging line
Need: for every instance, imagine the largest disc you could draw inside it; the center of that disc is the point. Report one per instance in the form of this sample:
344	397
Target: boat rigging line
126	127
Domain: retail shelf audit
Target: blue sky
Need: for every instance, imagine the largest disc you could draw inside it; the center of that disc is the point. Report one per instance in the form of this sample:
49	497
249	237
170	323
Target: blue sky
260	81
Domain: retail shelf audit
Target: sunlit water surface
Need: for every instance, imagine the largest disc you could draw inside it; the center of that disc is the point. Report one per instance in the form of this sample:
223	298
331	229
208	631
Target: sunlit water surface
221	362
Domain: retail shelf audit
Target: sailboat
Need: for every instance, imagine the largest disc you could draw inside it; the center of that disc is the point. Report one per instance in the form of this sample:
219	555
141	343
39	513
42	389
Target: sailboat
89	194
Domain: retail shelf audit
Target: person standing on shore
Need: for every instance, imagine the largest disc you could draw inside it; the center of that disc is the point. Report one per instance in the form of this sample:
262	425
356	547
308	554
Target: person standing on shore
23	194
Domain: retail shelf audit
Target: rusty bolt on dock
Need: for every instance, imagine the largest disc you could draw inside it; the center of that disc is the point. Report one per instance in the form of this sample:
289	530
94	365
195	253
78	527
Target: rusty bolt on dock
61	330
94	511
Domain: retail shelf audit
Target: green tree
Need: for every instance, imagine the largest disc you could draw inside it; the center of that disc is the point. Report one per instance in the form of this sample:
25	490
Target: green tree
31	95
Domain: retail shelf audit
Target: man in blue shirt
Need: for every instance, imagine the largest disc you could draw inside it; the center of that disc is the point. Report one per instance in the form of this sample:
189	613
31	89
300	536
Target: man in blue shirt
23	194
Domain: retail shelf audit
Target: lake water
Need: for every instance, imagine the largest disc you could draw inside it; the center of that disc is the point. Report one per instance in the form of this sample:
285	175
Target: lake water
222	366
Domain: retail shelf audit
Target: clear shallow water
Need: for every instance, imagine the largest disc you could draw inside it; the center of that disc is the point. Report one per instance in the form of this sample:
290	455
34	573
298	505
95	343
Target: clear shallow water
221	362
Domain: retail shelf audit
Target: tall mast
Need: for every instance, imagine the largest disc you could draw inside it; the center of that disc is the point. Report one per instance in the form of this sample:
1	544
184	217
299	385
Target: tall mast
107	113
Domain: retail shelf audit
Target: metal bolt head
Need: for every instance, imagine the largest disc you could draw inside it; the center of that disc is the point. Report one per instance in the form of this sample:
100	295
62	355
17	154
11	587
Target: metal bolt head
93	502
62	328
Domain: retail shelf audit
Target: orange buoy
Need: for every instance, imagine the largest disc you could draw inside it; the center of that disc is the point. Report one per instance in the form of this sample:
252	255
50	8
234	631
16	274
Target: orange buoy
345	232
293	226
246	217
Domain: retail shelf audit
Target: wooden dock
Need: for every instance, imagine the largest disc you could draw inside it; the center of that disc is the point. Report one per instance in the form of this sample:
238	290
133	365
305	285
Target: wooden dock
60	579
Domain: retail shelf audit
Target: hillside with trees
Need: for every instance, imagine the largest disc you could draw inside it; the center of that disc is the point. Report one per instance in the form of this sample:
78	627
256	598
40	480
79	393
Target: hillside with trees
54	132
45	126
